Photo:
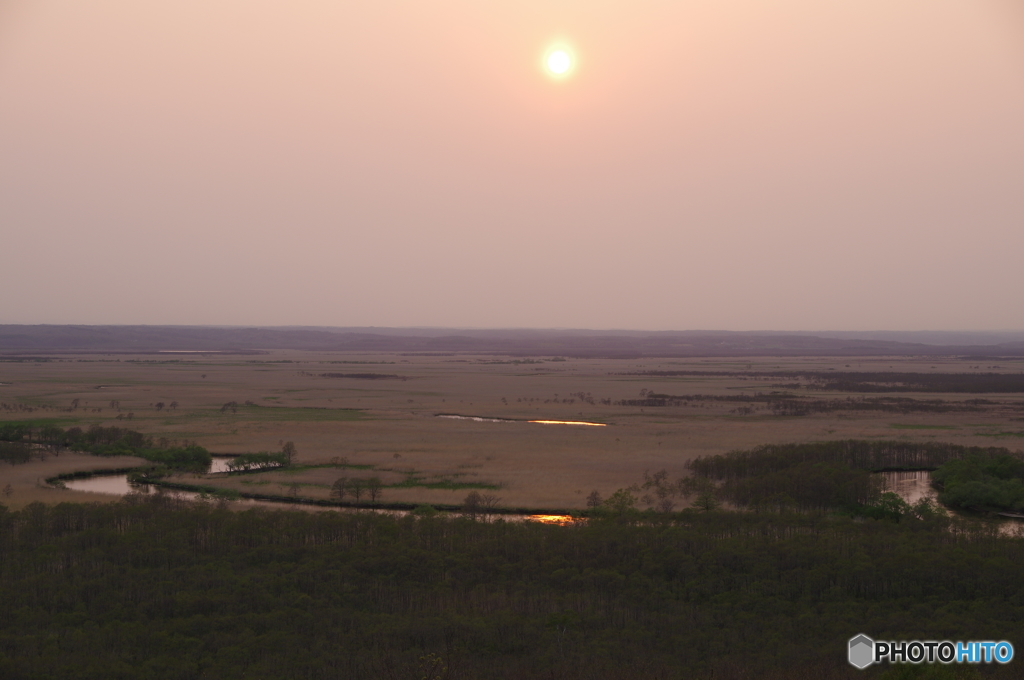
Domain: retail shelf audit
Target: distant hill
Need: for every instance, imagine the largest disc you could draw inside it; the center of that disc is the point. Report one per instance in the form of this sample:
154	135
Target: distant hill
578	343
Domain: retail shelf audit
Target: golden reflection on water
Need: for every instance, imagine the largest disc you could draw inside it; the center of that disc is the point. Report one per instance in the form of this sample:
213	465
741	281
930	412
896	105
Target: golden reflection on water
567	422
560	520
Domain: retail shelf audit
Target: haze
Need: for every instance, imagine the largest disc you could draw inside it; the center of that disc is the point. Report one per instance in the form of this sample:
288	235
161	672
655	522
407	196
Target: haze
727	164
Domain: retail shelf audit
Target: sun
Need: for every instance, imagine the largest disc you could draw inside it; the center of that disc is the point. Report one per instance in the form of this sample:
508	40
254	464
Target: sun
559	62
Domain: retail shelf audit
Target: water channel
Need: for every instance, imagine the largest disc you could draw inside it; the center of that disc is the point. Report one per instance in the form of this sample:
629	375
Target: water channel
118	485
911	487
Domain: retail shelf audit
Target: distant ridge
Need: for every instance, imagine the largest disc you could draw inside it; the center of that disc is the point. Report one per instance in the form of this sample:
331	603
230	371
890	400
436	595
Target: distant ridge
22	339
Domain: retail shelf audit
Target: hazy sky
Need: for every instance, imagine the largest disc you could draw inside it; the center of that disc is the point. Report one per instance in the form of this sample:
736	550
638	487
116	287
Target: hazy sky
709	164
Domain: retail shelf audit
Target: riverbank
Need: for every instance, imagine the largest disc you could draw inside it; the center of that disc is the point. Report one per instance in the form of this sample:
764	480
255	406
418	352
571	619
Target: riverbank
115	482
27	482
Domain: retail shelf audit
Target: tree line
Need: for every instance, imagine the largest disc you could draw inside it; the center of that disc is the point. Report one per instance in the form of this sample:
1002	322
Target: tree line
101	441
989	480
837	475
875	381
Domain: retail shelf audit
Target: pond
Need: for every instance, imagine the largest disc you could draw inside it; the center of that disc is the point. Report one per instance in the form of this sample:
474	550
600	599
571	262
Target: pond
911	486
480	419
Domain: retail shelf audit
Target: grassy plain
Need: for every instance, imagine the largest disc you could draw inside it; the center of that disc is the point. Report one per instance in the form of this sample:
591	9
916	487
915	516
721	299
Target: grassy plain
377	415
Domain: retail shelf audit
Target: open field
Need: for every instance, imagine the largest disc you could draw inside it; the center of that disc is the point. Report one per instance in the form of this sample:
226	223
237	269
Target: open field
358	415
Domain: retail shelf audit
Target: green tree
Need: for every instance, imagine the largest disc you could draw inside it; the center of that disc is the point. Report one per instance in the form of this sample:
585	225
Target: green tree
706	501
620	502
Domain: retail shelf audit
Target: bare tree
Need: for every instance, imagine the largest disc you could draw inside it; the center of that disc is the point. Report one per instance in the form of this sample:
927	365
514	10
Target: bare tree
471	504
159	406
8	490
594	499
340	488
289	451
488	502
356	488
173	405
374	487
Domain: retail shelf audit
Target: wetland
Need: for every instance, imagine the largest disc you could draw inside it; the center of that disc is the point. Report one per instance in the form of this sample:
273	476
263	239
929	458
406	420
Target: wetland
732	507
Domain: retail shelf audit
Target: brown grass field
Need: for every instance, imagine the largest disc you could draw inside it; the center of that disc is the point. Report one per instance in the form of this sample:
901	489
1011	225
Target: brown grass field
387	426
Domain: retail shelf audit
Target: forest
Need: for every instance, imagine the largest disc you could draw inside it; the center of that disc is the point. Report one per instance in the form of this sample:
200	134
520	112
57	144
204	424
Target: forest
983	481
154	587
836	476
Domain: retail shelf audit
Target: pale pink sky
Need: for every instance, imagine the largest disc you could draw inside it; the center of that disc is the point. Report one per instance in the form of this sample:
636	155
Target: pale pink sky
726	164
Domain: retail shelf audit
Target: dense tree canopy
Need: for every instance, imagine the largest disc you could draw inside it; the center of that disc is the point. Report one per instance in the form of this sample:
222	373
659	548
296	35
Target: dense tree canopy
157	588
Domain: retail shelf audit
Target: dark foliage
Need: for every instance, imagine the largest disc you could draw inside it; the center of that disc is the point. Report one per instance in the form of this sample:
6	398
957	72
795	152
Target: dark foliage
14	452
825	475
983	481
853	381
249	462
162	589
873	456
364	376
783	404
106	441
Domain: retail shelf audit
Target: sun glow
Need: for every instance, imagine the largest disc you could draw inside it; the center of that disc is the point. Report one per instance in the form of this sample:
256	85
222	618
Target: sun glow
559	62
568	422
560	520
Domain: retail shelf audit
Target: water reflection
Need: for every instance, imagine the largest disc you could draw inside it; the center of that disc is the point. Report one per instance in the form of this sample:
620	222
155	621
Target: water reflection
560	520
119	485
911	486
478	419
567	422
115	484
220	464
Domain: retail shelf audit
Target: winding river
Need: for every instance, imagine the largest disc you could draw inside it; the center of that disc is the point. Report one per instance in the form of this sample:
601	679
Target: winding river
911	487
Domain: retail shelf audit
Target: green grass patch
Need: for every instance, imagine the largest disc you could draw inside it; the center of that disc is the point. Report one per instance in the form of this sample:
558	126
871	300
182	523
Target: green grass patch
340	466
43	422
314	484
282	413
1000	434
900	426
414	480
450	485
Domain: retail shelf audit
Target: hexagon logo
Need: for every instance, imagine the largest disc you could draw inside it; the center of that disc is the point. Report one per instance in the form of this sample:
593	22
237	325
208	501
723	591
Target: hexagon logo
862	651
